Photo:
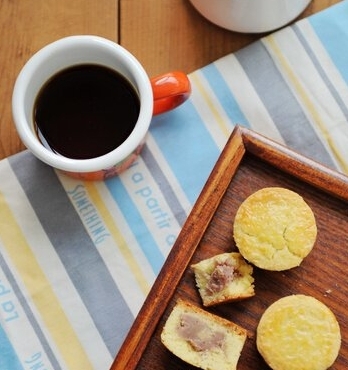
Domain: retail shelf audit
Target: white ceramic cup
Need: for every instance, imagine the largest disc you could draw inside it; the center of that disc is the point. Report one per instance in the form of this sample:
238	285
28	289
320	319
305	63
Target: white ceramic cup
156	95
250	16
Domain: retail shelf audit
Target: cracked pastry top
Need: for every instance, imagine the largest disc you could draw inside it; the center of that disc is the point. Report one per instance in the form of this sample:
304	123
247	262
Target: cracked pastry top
274	229
298	332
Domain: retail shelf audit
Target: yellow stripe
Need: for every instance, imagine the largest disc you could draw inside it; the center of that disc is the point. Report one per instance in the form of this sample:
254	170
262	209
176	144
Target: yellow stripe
310	106
206	96
40	290
117	236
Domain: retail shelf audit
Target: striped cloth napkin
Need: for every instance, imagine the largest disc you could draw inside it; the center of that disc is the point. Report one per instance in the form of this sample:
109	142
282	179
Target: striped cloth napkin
78	258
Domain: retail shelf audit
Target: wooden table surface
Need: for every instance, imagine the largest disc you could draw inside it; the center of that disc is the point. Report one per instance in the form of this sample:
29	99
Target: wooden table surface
163	34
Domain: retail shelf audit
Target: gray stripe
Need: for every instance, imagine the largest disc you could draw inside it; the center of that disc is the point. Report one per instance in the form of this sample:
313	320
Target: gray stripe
321	71
166	188
75	248
29	314
281	103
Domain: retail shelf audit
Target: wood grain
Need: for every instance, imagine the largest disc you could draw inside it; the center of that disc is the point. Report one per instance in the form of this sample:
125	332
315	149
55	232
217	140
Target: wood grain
164	35
26	26
170	34
248	163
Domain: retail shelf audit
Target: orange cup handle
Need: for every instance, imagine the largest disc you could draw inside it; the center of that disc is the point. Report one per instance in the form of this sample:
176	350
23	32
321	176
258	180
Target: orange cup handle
169	91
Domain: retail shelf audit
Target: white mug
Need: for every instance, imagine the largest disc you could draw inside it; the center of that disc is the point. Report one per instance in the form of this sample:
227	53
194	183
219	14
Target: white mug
250	16
156	95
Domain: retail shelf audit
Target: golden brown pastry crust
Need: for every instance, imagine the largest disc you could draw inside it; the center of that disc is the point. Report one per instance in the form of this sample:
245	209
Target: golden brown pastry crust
274	229
224	278
298	332
203	339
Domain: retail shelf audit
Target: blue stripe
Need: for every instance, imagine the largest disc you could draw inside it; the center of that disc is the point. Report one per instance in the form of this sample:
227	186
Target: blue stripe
75	248
331	27
29	315
281	103
323	73
224	95
8	359
166	188
187	147
136	223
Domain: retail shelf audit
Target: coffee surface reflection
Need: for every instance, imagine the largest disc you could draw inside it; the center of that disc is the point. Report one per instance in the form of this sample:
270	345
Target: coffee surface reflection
86	111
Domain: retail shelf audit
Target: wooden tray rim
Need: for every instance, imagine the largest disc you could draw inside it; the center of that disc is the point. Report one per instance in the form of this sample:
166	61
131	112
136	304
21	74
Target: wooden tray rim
241	142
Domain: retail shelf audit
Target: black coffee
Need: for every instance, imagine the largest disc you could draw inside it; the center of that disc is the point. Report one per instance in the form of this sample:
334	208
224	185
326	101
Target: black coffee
86	111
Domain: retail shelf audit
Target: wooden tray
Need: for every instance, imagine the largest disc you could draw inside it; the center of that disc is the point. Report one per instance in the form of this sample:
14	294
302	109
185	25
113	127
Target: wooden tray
248	162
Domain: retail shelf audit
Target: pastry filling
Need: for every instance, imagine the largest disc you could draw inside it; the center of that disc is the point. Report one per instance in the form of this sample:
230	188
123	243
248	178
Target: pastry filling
198	334
223	274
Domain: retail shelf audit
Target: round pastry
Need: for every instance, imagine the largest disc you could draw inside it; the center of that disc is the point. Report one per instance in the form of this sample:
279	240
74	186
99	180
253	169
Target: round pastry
298	332
274	229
